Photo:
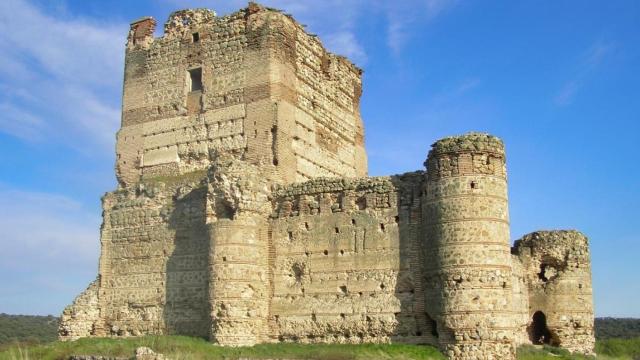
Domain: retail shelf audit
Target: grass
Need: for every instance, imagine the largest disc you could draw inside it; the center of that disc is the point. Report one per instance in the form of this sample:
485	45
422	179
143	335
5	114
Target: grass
619	349
188	348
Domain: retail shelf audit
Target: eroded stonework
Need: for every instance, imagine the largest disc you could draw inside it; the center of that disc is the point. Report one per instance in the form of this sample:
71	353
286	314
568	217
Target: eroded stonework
244	214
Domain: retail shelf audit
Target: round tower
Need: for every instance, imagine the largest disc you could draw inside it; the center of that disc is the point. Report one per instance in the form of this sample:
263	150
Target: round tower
466	233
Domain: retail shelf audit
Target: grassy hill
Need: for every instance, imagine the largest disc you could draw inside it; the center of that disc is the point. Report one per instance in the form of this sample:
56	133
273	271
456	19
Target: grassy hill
609	328
29	328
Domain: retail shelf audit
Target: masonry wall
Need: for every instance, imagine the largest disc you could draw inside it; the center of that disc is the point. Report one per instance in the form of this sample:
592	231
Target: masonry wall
467	247
244	214
271	94
346	262
153	263
319	107
557	270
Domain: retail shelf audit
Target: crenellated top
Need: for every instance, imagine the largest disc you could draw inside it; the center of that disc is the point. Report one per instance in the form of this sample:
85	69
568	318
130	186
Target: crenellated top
326	195
470	154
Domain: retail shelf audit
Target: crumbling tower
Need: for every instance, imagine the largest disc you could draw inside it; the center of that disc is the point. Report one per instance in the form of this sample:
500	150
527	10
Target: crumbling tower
244	214
467	245
252	83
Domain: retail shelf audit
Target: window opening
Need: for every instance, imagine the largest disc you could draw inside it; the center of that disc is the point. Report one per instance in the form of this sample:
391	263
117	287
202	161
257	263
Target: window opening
195	77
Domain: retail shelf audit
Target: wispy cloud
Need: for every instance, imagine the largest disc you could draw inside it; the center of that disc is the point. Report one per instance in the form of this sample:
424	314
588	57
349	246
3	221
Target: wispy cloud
49	250
345	43
53	227
589	62
401	17
60	76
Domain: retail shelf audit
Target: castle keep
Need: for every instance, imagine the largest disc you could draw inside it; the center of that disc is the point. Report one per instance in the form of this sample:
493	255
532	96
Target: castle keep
244	213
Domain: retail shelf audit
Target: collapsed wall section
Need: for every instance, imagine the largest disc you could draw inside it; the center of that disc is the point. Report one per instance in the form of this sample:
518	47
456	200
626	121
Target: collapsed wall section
345	262
557	271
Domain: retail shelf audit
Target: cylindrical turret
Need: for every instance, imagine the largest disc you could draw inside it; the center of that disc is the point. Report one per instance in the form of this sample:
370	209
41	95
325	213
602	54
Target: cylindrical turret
466	234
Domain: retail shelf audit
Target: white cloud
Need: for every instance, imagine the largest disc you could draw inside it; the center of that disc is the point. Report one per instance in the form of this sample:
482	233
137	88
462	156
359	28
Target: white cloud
401	17
43	227
49	251
589	61
61	77
345	43
20	123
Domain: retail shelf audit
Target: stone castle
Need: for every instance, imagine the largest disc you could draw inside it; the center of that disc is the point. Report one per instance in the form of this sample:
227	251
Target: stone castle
244	213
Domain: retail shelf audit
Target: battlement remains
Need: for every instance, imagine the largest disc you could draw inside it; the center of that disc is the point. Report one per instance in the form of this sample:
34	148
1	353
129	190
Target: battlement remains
244	214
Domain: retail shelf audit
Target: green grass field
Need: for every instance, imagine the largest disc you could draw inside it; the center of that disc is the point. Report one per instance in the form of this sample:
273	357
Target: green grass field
183	348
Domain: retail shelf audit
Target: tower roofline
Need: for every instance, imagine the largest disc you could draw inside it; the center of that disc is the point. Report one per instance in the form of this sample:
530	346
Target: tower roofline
189	18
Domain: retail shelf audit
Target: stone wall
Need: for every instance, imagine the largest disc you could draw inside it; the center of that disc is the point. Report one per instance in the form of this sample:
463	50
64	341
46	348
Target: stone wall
271	94
153	262
346	262
467	247
79	319
244	214
557	271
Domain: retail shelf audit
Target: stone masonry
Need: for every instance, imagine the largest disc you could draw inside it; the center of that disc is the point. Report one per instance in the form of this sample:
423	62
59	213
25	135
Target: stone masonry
244	214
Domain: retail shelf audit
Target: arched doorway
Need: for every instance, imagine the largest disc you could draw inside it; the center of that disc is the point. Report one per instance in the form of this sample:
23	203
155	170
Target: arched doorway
538	331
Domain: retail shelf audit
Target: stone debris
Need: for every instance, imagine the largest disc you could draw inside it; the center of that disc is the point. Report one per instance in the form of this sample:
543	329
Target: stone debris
144	353
244	214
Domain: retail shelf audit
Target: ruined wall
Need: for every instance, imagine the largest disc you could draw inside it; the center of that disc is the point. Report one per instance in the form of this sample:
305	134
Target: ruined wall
346	262
467	247
79	319
319	109
167	128
238	208
153	261
270	93
244	213
557	270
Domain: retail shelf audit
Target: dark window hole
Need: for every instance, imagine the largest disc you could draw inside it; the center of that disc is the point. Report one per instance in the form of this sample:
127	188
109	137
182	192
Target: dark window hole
195	75
539	332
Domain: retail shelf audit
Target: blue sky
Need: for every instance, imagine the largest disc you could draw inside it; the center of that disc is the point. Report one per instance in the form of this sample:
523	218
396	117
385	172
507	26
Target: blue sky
559	81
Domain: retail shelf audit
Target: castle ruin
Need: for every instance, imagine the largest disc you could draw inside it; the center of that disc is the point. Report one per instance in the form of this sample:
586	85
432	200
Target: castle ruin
244	213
